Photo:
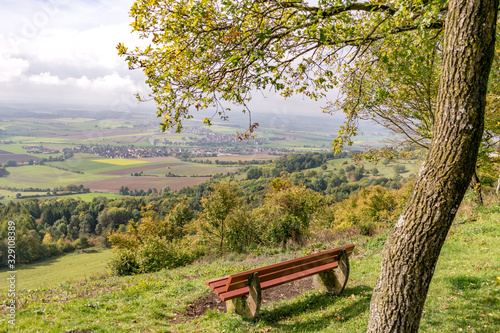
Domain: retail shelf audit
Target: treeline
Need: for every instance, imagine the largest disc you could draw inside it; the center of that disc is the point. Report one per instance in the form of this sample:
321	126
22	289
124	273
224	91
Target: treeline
124	190
219	162
297	162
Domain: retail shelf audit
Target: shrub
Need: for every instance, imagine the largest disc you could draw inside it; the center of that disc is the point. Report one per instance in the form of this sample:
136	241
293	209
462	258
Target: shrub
373	208
151	244
154	254
65	245
286	212
241	231
53	250
101	242
124	263
158	253
82	243
398	168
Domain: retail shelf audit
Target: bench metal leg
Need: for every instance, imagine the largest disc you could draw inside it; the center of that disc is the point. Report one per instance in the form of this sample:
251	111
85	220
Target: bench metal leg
248	306
334	281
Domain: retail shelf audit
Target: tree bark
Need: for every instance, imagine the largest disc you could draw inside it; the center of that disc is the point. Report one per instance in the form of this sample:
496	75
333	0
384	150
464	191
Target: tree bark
413	246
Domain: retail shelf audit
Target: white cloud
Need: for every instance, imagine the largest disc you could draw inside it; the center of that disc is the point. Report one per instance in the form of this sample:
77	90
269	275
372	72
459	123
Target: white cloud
11	68
45	78
64	51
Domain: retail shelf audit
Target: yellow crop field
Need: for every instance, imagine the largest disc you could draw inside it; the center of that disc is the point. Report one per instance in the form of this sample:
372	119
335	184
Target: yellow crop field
120	161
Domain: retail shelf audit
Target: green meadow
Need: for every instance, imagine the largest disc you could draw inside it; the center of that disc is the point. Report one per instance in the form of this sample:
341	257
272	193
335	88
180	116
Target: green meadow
51	272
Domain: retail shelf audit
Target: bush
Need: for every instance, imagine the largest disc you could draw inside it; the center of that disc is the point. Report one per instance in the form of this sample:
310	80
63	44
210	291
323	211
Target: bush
154	254
125	263
287	211
400	168
150	245
158	253
65	245
82	243
53	250
101	242
241	231
373	208
286	227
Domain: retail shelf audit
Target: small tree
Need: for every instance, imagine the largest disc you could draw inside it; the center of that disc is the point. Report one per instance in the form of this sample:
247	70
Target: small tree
47	239
218	205
400	168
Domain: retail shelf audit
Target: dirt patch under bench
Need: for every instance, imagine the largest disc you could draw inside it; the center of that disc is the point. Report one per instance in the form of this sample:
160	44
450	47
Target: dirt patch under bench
275	294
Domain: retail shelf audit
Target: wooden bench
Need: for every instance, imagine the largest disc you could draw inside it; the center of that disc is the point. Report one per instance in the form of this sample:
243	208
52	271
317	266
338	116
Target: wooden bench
242	291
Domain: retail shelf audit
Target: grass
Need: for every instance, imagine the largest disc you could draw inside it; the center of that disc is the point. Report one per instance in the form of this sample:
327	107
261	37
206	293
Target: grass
71	267
463	295
13	148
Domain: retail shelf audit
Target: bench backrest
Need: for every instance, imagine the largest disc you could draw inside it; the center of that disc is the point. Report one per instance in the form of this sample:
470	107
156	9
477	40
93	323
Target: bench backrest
266	273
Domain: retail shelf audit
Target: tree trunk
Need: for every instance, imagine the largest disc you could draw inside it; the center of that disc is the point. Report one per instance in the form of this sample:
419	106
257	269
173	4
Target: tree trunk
413	246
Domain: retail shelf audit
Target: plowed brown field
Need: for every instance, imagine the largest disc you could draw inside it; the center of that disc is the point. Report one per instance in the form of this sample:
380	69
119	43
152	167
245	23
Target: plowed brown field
146	167
144	183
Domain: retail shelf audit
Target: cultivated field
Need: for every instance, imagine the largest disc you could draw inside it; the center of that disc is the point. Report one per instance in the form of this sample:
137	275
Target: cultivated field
41	176
142	168
144	183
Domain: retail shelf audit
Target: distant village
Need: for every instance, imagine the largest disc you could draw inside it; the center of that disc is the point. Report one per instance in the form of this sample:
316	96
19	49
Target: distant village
131	151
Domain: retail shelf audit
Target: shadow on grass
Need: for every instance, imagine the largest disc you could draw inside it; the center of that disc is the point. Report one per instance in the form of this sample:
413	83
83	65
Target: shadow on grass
463	282
277	317
47	261
35	264
471	305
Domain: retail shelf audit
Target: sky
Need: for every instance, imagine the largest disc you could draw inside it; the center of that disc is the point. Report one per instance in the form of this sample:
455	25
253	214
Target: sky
63	53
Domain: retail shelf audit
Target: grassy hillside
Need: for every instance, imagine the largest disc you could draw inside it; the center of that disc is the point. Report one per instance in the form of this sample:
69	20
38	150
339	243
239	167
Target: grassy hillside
464	294
70	267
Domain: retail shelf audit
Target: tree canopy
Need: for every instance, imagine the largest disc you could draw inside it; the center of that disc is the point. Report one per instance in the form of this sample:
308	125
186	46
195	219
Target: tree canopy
210	54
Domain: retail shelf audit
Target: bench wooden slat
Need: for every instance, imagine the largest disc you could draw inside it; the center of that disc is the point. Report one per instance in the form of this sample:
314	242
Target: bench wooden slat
266	275
225	296
217	284
215	280
243	276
